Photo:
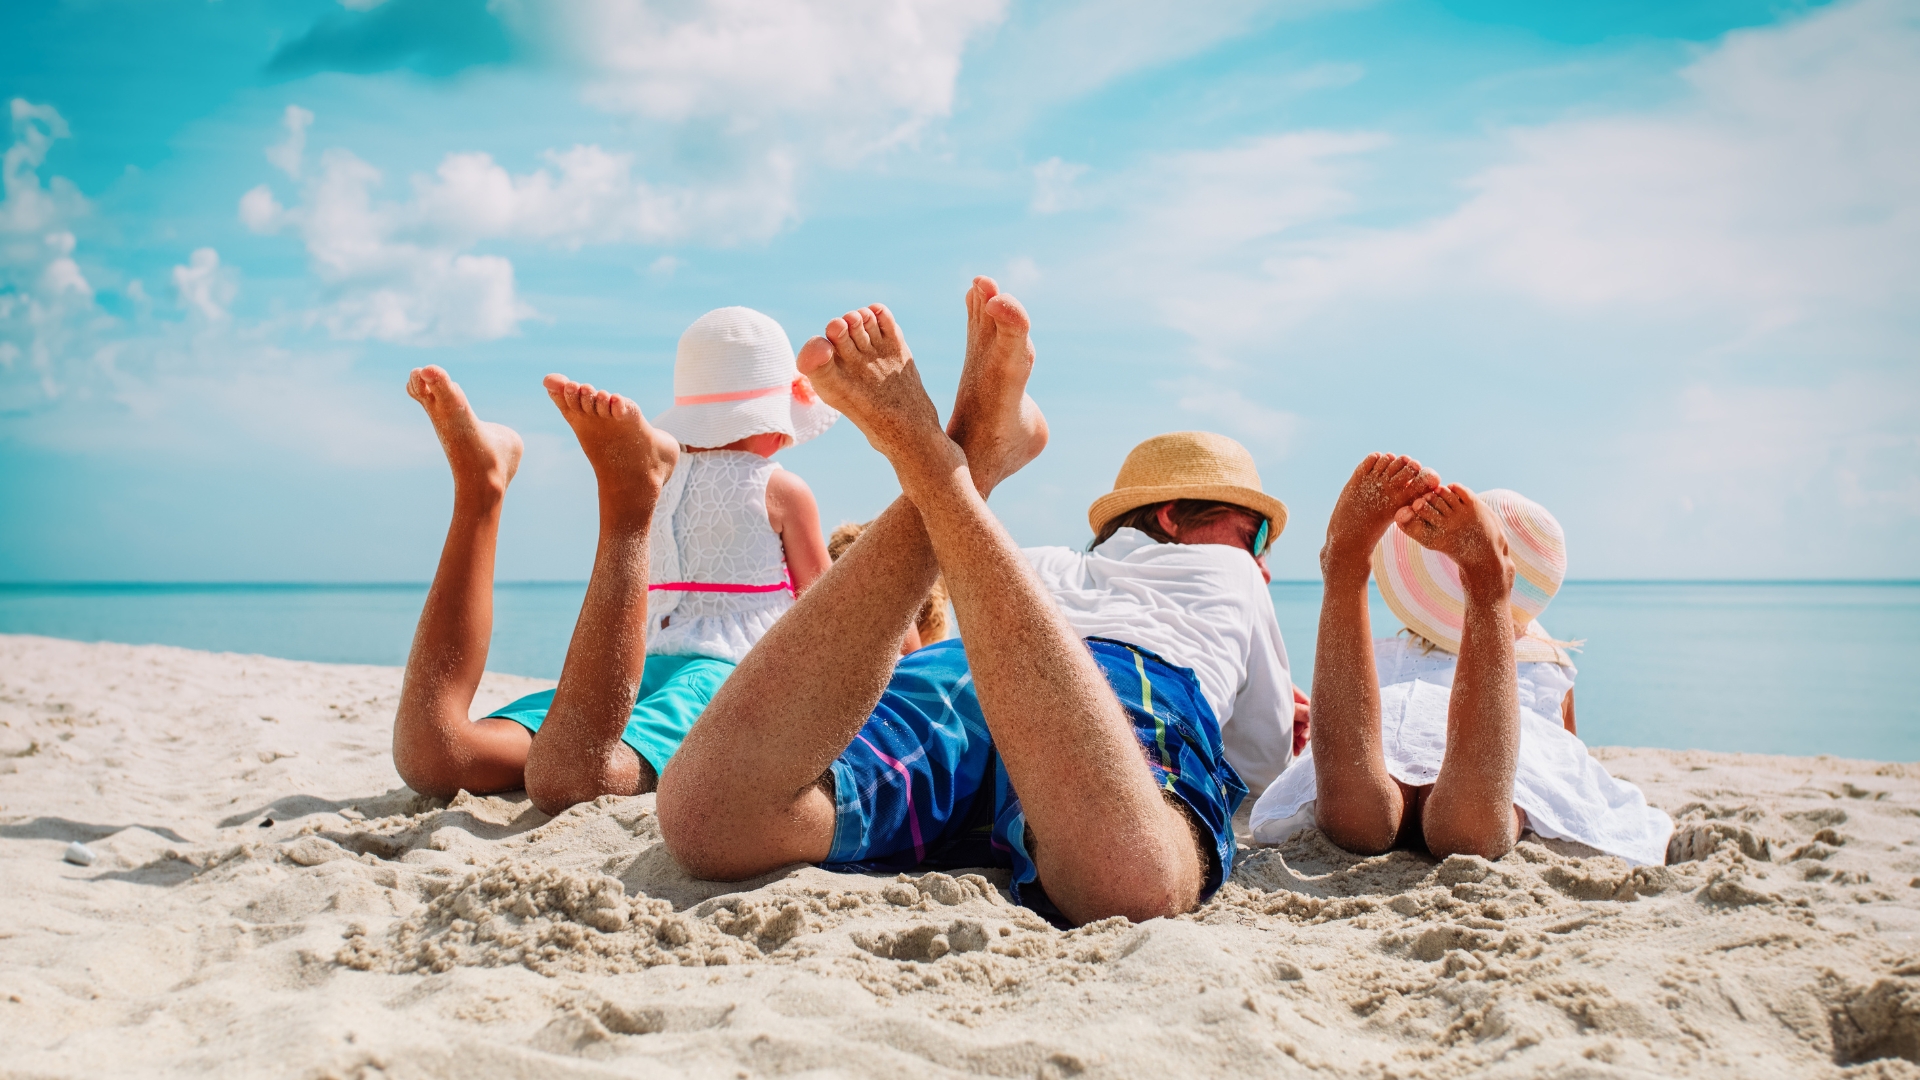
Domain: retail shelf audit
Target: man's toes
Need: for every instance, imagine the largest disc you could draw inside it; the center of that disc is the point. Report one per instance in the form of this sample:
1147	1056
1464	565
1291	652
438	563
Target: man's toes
884	328
986	287
814	355
1009	313
860	325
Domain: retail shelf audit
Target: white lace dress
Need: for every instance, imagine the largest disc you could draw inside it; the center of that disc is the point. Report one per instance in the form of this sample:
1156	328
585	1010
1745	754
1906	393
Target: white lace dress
1565	792
710	529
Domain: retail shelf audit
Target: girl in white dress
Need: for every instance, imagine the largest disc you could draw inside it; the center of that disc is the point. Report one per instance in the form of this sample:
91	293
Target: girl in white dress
735	538
1467	735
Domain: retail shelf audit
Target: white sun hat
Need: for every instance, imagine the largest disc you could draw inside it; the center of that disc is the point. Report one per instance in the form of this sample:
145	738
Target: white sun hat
734	376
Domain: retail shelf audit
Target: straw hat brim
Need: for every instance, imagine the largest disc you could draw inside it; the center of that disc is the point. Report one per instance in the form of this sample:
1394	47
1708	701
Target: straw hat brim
1120	500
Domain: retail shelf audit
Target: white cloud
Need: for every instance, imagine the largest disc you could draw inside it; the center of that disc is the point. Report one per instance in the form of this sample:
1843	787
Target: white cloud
592	196
1263	426
203	287
1053	185
260	212
1075	48
46	301
288	155
858	71
407	272
1787	179
1795	473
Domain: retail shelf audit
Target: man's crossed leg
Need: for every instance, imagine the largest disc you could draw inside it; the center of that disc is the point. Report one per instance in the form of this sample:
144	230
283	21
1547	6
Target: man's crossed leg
743	794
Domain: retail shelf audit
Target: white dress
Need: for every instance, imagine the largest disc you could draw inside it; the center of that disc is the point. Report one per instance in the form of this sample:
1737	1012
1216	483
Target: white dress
1566	794
710	528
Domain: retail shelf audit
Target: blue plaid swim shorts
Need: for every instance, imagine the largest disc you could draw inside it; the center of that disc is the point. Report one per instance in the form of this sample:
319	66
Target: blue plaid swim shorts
922	785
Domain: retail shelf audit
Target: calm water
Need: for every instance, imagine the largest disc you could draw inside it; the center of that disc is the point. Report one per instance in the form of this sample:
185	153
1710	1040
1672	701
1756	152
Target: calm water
1784	668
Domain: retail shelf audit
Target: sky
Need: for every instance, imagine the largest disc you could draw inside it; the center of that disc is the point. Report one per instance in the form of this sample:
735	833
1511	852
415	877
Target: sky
1654	265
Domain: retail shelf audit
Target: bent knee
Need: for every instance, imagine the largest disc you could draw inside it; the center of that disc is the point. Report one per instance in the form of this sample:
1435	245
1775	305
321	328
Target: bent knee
1142	898
711	850
1491	847
426	767
1372	838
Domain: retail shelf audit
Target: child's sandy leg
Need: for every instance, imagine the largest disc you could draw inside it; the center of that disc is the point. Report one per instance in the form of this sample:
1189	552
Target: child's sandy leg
578	755
436	749
1470	810
1357	803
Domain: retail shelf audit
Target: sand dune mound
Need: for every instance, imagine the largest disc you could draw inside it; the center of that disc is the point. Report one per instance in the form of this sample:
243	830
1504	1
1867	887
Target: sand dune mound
265	900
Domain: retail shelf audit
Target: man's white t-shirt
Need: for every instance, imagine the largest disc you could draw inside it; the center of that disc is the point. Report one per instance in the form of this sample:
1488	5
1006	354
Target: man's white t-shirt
1199	606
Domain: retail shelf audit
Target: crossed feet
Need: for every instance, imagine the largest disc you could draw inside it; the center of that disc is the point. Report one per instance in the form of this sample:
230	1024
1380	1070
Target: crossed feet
863	368
1390	489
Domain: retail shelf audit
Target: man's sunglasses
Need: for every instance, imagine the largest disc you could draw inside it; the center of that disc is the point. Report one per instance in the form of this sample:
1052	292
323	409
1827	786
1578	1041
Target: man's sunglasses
1263	539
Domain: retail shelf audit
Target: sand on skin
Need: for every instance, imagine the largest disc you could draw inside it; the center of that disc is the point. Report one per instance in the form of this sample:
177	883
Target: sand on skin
368	931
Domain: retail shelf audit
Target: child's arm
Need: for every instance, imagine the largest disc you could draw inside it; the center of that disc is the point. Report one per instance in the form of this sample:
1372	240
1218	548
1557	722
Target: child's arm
796	520
1566	712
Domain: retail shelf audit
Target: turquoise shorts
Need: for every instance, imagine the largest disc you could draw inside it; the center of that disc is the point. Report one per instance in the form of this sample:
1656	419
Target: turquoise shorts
674	691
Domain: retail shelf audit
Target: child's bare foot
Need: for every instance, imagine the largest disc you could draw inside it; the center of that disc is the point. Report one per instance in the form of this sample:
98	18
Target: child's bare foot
1380	491
1455	523
631	459
484	456
994	421
863	369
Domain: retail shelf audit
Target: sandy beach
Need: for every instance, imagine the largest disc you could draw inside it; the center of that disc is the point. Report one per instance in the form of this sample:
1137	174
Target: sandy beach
267	899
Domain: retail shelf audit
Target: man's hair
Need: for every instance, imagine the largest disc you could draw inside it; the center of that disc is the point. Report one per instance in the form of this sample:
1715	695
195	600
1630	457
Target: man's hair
932	620
1186	514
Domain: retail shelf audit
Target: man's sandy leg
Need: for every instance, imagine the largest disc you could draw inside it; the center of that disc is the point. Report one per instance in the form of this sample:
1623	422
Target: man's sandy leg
436	749
742	795
1357	803
1109	843
578	755
1470	808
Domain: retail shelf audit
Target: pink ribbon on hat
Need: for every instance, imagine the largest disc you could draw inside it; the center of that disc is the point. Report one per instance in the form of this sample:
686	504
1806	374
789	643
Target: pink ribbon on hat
800	388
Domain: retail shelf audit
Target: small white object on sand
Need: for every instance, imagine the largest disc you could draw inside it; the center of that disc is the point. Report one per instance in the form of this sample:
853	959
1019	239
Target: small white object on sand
79	854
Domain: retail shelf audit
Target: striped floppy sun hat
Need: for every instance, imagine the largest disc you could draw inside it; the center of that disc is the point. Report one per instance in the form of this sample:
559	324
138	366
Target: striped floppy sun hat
733	376
1423	587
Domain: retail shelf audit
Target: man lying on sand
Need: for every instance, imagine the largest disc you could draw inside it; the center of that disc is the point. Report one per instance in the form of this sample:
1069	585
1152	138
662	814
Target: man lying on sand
1062	740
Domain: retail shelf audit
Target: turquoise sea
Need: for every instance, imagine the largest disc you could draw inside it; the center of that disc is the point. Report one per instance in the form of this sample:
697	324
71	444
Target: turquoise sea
1769	667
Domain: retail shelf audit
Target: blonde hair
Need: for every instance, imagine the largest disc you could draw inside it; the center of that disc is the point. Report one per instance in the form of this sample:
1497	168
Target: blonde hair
932	620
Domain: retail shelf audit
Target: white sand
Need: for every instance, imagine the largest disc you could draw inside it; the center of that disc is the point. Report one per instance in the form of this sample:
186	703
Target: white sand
369	932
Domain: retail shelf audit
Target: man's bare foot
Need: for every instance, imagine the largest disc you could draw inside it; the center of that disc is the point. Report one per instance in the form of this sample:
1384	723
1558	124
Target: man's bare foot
630	457
1380	491
994	421
864	369
484	456
1455	523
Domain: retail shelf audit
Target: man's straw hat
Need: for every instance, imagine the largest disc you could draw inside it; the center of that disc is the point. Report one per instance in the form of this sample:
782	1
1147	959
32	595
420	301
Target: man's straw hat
1423	586
733	376
1187	465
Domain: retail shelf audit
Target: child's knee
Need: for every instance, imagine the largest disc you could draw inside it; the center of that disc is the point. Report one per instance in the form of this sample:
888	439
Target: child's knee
425	766
1490	840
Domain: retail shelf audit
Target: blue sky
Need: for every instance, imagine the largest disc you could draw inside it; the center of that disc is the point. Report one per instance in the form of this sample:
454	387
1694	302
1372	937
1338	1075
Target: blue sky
1655	265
